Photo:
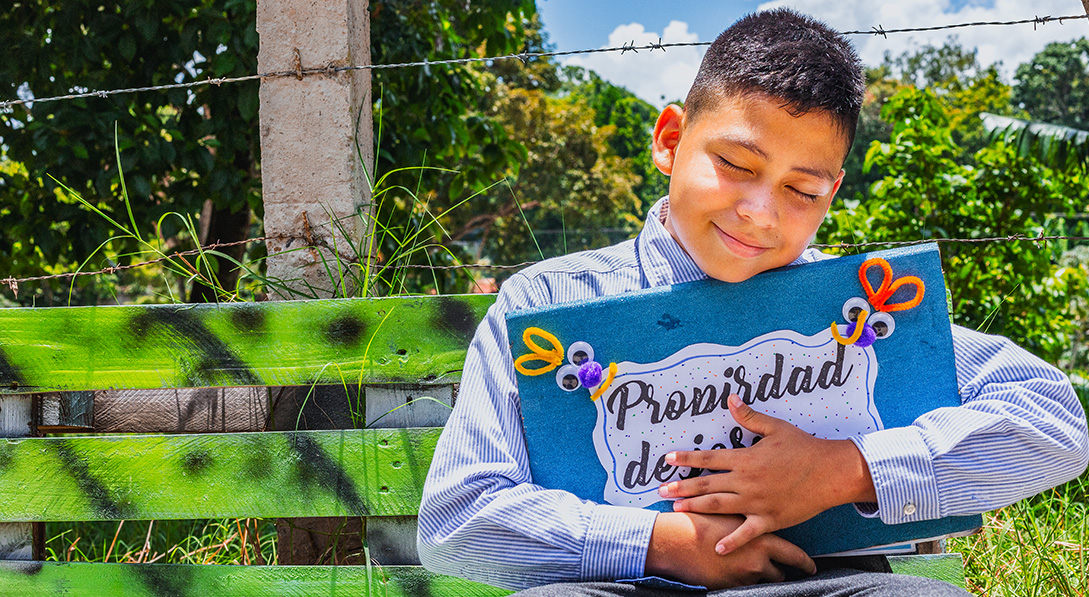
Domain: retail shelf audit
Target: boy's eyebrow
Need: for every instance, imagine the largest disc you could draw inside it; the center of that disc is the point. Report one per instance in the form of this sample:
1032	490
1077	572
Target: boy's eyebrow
824	174
753	147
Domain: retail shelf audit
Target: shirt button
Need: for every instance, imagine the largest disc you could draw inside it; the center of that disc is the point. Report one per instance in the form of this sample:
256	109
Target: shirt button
909	509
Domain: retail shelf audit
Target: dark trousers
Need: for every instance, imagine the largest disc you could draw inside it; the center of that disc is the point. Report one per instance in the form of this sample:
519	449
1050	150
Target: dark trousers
836	577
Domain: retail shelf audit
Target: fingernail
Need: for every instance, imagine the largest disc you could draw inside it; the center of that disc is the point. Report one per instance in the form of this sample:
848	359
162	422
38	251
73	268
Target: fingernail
735	400
671	458
663	490
678	506
720	550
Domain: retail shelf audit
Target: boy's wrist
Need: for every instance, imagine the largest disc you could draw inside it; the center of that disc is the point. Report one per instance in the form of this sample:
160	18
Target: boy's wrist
848	478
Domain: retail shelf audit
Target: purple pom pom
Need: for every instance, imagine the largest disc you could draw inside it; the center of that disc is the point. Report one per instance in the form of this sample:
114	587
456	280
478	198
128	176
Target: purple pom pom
590	374
868	335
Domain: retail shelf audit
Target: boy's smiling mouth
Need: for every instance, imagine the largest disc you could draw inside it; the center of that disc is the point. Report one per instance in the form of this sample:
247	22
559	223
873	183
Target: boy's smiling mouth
737	246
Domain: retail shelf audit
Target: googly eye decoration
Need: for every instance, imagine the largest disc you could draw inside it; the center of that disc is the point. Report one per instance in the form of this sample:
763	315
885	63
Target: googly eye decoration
567	377
854	307
581	370
863	329
883	325
580	352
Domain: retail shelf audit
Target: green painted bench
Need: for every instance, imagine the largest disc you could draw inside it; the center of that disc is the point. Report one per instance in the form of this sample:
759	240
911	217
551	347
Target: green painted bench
209	454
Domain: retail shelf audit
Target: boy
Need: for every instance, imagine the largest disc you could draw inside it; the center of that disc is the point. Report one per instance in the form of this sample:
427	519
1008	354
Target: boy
754	159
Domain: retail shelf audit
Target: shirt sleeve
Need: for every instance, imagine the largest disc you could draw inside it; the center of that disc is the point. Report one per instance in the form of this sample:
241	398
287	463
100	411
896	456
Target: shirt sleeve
482	517
1020	429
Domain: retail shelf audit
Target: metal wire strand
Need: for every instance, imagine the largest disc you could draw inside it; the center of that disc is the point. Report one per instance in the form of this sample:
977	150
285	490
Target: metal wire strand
522	56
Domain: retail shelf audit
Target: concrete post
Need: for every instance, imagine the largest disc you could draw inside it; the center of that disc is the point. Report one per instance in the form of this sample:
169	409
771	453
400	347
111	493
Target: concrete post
313	130
313	180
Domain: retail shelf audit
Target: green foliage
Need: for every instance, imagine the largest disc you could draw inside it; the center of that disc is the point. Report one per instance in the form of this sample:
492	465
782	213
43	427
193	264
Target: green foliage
1034	548
1054	86
1011	288
566	172
633	122
437	116
1058	146
570	181
178	148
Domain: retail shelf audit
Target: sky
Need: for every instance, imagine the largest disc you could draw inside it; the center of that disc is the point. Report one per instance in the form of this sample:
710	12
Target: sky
661	77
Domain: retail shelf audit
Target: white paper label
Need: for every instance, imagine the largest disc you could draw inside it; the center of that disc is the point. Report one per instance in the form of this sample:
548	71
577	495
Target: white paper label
679	403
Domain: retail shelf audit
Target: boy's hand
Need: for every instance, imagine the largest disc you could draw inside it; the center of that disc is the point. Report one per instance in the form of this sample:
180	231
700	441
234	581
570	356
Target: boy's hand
682	547
786	478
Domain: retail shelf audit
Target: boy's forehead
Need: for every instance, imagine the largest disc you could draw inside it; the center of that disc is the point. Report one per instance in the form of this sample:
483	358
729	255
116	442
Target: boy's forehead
724	111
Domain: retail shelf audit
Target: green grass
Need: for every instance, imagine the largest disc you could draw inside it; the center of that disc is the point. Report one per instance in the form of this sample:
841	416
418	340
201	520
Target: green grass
228	541
1034	548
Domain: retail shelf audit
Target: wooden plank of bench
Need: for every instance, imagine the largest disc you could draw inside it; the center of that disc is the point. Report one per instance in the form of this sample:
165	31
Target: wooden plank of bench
363	472
281	343
945	566
40	579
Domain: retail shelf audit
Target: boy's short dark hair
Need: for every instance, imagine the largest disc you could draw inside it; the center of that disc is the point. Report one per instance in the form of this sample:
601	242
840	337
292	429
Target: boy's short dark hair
782	54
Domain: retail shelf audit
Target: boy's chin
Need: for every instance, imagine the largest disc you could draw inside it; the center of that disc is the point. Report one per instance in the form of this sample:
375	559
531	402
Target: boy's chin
733	277
743	272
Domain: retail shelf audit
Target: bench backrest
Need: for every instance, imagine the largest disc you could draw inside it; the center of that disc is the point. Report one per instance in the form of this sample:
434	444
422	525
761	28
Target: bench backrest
68	357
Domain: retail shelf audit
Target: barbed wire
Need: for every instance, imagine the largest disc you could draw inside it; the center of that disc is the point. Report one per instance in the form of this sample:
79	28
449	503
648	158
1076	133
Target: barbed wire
908	243
525	56
13	283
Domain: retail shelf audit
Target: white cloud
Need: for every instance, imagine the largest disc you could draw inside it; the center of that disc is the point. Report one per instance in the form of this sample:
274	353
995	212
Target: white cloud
1010	45
655	76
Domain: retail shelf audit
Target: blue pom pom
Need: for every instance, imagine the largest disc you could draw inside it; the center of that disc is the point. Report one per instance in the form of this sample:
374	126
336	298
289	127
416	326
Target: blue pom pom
590	374
866	338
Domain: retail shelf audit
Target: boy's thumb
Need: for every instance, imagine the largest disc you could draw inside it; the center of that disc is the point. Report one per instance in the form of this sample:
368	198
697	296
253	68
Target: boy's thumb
749	418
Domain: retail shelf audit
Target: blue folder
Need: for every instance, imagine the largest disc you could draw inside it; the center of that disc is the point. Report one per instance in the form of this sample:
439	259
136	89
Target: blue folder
783	340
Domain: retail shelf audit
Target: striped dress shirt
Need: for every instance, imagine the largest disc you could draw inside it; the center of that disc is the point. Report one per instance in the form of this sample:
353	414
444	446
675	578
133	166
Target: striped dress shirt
1020	430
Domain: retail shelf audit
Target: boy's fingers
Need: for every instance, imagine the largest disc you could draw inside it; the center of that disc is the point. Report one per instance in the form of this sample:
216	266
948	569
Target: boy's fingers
772	573
749	530
715	460
696	486
748	418
787	553
711	503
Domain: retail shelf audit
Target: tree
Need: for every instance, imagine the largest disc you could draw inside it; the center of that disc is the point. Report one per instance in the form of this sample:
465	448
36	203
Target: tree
1058	146
633	121
181	150
572	186
1054	86
438	146
931	190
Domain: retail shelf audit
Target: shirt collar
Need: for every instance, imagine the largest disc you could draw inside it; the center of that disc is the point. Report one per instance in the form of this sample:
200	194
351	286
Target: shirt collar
663	260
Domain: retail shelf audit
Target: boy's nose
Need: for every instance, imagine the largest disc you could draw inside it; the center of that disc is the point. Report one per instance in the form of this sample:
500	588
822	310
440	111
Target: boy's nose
758	206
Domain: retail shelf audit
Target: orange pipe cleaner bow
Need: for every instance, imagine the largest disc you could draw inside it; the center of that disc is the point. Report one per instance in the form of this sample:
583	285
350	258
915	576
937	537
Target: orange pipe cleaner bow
888	286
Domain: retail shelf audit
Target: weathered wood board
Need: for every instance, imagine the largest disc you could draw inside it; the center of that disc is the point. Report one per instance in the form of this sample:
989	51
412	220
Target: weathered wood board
39	579
365	472
281	343
181	410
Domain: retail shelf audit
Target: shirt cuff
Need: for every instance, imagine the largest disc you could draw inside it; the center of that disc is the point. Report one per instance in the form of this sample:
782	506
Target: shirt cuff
617	543
903	474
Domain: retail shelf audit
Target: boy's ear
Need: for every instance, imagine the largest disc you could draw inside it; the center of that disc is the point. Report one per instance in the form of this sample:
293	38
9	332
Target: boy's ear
667	134
835	189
